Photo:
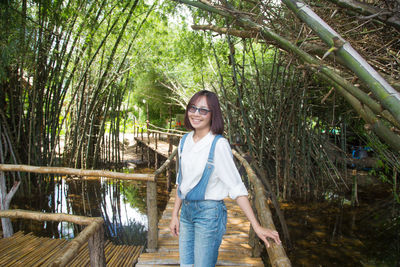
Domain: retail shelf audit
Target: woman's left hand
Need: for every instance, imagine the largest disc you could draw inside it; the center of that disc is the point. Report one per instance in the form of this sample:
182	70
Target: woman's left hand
263	233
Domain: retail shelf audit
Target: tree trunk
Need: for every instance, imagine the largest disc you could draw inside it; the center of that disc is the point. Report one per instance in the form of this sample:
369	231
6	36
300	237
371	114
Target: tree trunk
5	199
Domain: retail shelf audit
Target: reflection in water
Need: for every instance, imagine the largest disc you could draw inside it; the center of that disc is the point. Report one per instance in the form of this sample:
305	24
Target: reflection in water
335	234
116	202
122	205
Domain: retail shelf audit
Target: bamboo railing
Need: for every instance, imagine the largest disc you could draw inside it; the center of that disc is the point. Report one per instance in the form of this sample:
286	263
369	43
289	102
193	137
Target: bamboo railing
157	132
152	235
78	172
93	234
94	231
276	253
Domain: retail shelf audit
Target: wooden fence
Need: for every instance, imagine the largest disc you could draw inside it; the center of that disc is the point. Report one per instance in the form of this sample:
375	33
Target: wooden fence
93	234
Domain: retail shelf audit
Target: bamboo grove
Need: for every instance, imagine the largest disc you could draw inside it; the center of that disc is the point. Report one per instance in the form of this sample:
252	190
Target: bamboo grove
64	74
73	72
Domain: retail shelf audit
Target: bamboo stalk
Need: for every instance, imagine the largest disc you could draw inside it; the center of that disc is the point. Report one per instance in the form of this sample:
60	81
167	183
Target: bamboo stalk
166	163
78	172
152	214
276	253
168	130
40	216
388	96
166	133
77	242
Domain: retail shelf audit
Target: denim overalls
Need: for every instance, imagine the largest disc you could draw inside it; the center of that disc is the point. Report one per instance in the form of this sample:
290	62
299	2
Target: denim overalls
202	222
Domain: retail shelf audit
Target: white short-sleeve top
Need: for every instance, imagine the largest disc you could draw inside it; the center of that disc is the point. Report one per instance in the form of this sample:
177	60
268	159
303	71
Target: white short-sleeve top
224	181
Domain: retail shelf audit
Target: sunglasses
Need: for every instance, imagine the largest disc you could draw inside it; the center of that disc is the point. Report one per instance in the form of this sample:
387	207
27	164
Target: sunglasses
202	111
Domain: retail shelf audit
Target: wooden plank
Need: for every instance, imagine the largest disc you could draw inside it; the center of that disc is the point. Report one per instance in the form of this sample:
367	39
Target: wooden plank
29	250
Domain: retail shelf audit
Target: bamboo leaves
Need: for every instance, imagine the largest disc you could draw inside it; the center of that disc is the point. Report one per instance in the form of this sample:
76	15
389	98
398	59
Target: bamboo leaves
388	96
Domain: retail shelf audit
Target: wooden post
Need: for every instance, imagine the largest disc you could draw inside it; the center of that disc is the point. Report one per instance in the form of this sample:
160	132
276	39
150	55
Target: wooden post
169	144
168	171
152	216
155	160
354	197
148	132
142	154
96	248
148	144
5	198
134	127
169	178
156	137
148	156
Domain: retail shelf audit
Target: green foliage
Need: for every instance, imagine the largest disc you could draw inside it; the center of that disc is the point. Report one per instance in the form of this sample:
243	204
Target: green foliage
133	197
387	168
9	39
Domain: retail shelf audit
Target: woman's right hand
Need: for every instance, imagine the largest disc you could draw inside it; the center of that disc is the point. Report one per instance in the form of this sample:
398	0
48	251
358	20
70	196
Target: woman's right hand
174	226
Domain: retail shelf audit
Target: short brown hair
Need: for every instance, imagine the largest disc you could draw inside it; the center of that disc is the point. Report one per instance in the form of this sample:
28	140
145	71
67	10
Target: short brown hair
217	121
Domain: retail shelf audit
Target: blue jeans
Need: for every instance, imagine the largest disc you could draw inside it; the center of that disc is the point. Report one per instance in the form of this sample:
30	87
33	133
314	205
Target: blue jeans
202	225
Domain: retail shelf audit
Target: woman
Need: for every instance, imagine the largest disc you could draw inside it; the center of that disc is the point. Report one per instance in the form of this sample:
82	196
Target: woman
207	174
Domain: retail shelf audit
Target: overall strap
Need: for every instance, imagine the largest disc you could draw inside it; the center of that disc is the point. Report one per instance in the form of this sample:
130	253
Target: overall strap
180	161
182	143
212	149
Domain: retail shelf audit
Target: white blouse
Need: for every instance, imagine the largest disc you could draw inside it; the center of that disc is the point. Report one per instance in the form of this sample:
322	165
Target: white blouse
225	179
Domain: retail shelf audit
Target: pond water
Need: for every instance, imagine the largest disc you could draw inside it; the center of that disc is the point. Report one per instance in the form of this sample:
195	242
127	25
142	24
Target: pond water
333	233
122	205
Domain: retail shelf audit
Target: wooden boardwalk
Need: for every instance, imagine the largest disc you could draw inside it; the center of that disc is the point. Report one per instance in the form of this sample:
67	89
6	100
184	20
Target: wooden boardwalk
234	250
29	250
162	146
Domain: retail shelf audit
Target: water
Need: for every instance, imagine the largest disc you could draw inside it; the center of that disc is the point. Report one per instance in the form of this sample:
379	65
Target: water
122	205
333	233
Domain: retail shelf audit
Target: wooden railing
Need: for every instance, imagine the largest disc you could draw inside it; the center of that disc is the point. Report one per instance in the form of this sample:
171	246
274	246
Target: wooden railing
94	231
172	137
276	253
93	234
156	132
152	236
77	172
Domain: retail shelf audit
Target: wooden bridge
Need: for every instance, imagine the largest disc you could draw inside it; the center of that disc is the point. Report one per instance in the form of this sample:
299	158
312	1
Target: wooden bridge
29	250
162	248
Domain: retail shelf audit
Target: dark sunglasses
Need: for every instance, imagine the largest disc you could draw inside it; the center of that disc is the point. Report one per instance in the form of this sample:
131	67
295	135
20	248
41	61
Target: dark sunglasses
202	111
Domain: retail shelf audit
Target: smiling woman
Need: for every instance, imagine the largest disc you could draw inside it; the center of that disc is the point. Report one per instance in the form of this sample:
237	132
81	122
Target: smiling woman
200	118
209	120
207	174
